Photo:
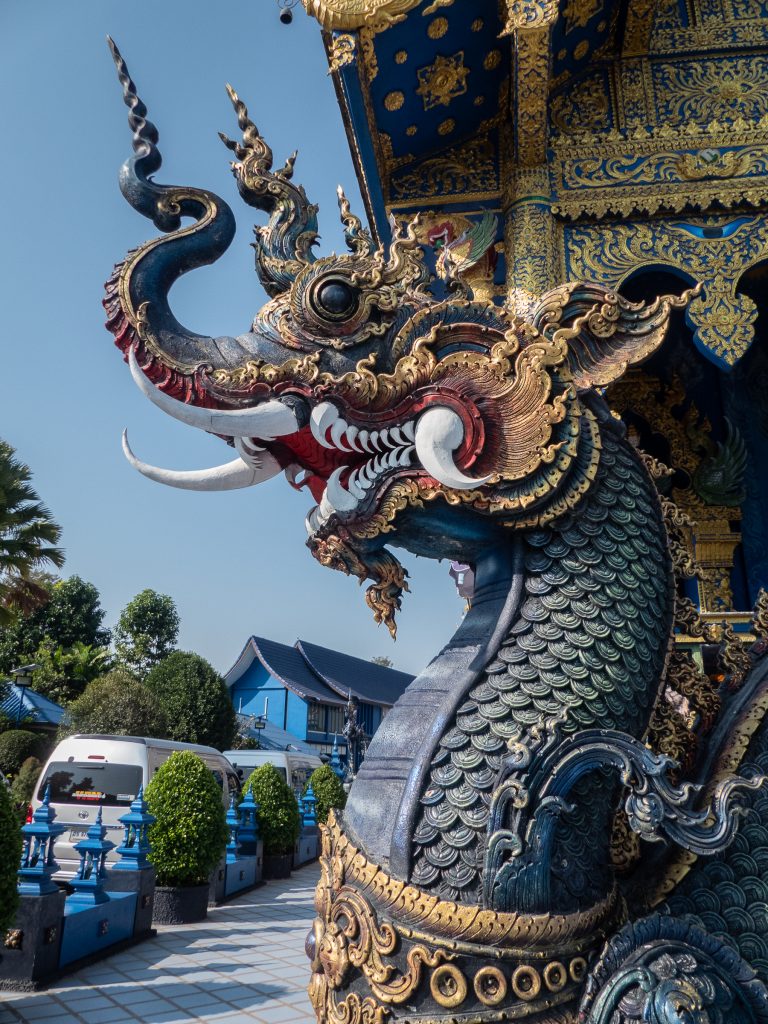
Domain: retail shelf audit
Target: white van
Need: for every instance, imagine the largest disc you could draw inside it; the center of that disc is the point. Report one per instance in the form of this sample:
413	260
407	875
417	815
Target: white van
294	765
86	772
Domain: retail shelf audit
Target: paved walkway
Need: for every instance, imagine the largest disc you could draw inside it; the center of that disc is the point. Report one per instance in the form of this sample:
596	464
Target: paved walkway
245	963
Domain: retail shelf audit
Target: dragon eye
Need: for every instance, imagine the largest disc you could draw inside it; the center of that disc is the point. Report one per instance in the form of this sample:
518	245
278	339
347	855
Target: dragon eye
335	299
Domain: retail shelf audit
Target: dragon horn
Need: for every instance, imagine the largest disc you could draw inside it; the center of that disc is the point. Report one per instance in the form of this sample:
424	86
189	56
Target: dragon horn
284	245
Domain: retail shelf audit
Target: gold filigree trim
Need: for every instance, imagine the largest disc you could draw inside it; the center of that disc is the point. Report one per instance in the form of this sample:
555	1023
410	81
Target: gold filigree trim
446	921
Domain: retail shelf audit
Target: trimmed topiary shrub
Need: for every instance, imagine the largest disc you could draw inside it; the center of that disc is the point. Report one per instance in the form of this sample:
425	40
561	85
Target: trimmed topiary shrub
16	746
190	833
329	791
10	855
23	786
278	814
195	699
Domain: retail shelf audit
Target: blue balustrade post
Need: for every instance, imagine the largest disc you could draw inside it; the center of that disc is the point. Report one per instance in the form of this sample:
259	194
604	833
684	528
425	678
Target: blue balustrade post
233	824
88	883
135	847
133	872
249	825
309	817
37	861
335	761
31	950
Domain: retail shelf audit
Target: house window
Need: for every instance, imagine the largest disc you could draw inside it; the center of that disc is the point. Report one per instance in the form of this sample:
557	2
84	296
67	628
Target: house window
316	717
335	719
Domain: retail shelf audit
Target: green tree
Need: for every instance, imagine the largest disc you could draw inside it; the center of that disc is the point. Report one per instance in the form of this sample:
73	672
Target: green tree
64	672
383	660
328	789
195	699
28	539
190	831
10	855
278	813
117	704
146	631
73	615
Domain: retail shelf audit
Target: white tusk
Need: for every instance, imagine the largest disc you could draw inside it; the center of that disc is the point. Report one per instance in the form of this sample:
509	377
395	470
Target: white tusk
228	477
267	421
439	432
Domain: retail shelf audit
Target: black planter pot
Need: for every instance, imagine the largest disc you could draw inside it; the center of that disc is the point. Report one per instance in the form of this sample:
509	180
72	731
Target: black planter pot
180	904
277	865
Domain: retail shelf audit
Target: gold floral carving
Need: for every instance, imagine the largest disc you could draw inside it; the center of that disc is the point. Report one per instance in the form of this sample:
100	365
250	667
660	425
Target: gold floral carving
726	30
584	103
437	28
722	317
394	100
705	90
531	93
342	51
578	13
469	169
443	81
529	14
639	23
354	1010
370	64
600	183
350	14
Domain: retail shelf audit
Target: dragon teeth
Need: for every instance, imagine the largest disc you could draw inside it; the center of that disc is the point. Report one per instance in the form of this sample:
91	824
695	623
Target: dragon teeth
338	432
337	495
356	486
322	417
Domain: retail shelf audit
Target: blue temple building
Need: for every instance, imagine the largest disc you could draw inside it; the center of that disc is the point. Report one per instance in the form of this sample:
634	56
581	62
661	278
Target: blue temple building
303	689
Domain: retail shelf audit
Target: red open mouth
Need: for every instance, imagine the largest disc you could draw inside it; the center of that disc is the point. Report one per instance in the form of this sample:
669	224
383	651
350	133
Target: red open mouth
318	462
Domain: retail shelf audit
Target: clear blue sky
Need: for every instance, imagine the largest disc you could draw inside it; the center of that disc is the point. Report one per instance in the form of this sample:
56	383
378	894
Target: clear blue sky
235	563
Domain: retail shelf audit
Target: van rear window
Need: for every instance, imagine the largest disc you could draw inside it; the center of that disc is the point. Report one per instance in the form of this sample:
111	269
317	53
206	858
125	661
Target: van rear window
114	785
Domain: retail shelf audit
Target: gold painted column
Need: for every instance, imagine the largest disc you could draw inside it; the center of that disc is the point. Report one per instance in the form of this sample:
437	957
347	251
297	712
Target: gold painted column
529	239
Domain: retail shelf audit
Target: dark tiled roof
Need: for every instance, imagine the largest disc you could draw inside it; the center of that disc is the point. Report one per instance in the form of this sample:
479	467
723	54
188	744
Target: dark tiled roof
286	664
367	681
34	707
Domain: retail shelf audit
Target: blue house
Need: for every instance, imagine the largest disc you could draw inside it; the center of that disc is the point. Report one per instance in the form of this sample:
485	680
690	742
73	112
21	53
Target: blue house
304	689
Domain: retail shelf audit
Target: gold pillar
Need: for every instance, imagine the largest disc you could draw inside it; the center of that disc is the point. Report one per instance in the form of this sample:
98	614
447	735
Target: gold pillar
529	238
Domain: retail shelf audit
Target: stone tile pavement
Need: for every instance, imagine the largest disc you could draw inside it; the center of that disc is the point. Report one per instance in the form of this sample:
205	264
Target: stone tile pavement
245	963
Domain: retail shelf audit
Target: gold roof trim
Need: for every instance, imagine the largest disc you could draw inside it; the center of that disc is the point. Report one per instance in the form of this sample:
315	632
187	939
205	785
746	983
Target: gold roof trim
350	14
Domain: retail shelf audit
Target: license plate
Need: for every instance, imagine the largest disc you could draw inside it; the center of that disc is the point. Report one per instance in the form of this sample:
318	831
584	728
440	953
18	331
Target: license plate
77	833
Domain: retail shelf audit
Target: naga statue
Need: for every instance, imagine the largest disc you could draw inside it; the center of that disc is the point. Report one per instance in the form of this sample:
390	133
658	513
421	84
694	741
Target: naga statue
513	846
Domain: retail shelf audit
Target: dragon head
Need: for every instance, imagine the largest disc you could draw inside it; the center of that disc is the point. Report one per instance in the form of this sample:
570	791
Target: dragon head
432	424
